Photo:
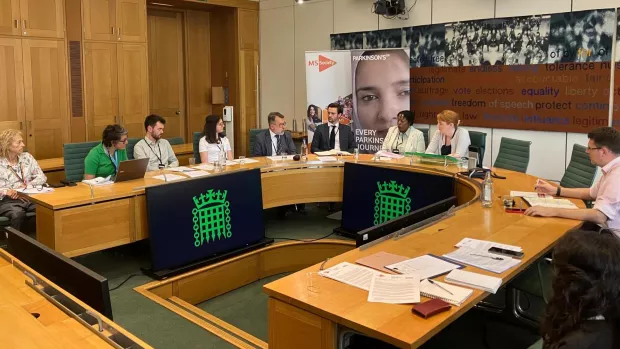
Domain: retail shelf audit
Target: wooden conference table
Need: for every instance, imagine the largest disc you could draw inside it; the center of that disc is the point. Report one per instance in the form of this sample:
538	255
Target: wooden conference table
302	319
53	328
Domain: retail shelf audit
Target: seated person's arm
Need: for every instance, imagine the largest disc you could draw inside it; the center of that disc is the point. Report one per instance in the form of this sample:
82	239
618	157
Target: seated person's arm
229	155
316	142
37	175
138	151
91	165
462	148
291	145
586	214
420	145
204	157
172	159
352	143
433	145
574	193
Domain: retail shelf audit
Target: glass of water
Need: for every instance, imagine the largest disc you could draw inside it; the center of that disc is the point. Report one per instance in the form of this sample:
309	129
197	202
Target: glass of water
356	154
241	160
192	161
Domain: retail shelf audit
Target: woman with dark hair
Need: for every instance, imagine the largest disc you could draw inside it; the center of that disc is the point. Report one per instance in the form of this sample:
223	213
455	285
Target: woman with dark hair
584	311
404	138
313	117
213	142
103	159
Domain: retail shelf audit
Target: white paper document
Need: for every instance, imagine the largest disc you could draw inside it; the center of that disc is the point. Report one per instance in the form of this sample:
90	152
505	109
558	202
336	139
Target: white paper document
246	160
333	152
196	173
394	289
529	194
554	203
99	181
482	259
485	245
475	280
281	158
35	190
181	169
388	154
327	159
206	167
351	274
424	266
169	177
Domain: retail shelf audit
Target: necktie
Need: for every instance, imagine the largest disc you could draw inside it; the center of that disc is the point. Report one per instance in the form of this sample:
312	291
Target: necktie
278	144
332	138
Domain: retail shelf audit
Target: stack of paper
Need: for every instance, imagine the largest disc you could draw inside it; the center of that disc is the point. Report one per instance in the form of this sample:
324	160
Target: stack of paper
554	203
387	154
485	245
196	173
351	274
181	169
327	159
482	282
446	292
528	194
169	177
333	152
99	181
425	266
246	160
482	259
206	167
395	289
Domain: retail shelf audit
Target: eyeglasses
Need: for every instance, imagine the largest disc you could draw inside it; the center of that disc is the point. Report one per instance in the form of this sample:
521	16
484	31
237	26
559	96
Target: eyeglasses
282	124
124	140
593	148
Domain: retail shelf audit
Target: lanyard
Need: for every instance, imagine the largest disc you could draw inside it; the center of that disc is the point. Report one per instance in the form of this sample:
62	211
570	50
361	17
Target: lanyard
114	159
221	150
153	150
21	170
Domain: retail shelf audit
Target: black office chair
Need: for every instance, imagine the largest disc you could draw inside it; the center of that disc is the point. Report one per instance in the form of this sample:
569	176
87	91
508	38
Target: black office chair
478	144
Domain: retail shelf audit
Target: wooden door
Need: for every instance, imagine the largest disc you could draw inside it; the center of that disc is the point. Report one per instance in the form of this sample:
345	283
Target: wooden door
43	18
9	17
248	91
46	96
198	60
101	87
133	87
11	84
166	70
99	20
248	29
131	20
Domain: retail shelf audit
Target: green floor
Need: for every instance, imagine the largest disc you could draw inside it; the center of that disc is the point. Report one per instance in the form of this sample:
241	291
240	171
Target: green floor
246	307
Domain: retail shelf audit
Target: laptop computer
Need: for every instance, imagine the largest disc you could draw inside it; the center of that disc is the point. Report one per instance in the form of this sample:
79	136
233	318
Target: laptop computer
131	169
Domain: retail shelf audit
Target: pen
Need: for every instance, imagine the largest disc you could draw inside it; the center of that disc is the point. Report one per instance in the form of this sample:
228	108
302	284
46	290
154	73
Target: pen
481	255
438	285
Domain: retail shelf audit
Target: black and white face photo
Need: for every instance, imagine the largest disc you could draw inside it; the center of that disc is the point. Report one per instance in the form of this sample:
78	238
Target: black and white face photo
390	38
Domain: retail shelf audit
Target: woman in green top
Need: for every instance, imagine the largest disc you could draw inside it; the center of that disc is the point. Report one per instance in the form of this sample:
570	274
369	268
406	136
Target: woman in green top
103	160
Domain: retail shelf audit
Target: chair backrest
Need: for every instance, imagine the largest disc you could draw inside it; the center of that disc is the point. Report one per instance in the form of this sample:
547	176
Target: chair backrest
580	172
478	144
513	154
196	141
425	133
253	133
176	140
74	155
131	143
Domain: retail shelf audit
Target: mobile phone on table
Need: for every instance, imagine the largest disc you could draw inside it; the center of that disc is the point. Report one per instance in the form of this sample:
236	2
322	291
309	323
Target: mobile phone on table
504	252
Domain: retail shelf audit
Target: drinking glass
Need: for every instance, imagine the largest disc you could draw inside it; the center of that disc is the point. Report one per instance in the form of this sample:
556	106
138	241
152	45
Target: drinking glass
192	161
241	160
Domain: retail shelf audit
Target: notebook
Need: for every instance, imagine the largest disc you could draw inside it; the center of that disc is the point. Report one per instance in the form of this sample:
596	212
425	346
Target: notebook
379	260
482	282
458	296
427	266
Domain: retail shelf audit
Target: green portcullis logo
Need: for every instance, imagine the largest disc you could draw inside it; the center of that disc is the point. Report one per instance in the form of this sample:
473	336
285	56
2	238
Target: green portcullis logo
391	201
211	217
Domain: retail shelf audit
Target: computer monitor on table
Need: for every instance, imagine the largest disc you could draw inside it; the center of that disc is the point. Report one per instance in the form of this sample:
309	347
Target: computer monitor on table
83	283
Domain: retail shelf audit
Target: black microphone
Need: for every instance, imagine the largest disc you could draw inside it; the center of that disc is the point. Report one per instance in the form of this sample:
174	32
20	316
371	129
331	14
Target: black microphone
296	157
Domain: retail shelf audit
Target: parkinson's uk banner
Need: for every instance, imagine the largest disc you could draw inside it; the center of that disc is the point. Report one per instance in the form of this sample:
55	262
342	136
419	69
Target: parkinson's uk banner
381	89
328	80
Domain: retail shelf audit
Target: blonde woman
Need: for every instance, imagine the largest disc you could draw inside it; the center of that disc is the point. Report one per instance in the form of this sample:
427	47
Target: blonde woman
17	170
449	139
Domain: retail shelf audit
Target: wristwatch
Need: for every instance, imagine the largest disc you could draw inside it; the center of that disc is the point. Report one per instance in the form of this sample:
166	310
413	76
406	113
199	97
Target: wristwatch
557	193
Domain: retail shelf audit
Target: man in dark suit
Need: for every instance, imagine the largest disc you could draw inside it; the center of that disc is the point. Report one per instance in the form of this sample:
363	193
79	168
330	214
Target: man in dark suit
276	140
333	135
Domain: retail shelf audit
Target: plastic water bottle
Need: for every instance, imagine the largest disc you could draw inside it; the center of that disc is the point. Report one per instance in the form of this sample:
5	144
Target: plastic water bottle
222	159
487	191
304	150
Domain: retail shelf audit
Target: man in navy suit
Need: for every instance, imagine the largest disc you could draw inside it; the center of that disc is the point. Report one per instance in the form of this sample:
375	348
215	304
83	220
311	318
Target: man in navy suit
333	135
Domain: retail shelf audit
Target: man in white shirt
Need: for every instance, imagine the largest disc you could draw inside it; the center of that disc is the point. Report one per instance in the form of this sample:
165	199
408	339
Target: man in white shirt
156	149
333	135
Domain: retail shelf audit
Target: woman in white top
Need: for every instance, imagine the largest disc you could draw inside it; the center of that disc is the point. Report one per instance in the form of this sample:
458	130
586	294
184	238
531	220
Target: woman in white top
404	138
212	142
449	139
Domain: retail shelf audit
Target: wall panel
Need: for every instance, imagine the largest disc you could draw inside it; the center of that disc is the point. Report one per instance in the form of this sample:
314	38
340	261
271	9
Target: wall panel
420	14
352	16
461	10
530	7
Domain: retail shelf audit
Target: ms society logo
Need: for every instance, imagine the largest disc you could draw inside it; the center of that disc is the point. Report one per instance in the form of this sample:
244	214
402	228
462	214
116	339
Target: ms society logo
211	217
323	63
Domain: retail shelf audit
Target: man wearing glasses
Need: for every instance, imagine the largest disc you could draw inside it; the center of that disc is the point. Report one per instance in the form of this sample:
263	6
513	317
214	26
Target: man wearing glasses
604	151
103	159
274	141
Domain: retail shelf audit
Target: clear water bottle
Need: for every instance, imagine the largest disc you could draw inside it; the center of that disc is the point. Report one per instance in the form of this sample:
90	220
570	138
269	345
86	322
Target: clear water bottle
222	159
487	191
304	150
